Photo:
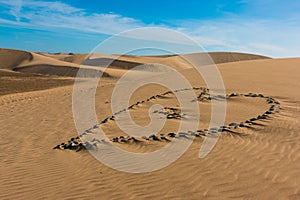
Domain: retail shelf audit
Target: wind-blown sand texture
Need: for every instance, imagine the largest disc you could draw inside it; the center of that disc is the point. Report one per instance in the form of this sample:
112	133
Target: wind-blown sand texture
261	161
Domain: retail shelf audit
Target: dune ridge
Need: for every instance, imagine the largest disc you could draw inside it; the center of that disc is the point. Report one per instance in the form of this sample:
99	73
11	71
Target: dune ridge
218	57
68	65
22	61
11	58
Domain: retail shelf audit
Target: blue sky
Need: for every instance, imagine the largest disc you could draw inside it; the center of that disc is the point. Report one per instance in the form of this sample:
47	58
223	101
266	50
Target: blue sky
268	27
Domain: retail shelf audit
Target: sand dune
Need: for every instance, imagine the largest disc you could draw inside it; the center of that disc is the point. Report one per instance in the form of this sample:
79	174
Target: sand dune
21	61
256	162
12	58
67	65
128	62
225	57
74	58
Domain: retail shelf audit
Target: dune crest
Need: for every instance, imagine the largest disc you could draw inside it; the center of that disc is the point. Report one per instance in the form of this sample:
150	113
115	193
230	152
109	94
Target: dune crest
33	63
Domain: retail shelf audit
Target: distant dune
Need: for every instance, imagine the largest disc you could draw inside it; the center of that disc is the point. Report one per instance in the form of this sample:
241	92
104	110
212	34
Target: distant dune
68	64
28	62
67	57
177	61
12	58
218	57
225	57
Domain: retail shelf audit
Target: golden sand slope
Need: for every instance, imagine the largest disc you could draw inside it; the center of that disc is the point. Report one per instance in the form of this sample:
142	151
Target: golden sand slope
218	57
67	65
21	61
11	58
22	71
37	67
264	164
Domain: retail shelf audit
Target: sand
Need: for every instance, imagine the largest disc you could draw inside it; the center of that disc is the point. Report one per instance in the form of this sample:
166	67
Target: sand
261	162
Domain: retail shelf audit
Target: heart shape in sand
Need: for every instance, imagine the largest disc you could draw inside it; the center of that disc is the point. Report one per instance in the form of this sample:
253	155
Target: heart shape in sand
249	116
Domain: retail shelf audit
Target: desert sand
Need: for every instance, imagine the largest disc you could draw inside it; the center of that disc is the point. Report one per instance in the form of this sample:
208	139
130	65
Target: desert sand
261	161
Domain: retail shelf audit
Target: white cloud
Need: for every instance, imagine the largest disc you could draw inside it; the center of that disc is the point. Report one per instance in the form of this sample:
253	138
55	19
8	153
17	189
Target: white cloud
16	6
269	37
56	6
45	14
